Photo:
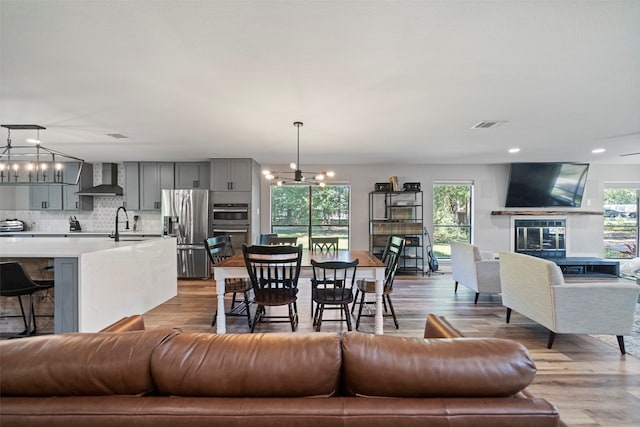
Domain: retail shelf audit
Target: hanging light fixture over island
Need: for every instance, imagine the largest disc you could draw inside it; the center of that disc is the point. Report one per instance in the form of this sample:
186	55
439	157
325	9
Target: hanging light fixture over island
34	164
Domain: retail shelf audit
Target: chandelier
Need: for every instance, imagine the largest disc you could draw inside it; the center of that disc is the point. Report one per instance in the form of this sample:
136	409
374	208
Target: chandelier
34	164
296	175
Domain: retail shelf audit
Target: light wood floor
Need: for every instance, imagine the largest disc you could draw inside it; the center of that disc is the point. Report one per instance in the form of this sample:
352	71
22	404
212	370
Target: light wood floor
590	382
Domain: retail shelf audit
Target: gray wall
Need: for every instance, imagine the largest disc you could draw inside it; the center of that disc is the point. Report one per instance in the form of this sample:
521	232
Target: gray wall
490	232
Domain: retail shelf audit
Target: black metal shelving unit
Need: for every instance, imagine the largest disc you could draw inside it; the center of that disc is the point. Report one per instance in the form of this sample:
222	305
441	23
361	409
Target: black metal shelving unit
398	213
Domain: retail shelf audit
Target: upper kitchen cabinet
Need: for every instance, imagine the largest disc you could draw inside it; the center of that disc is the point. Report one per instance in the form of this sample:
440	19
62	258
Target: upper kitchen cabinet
70	200
131	188
45	197
192	175
231	174
154	177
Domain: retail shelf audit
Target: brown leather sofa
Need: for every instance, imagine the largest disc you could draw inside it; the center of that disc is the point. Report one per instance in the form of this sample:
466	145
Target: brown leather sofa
163	377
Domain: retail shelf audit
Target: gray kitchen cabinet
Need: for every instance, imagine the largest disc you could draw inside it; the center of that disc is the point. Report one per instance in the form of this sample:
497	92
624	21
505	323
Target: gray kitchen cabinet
131	188
70	200
45	197
231	174
190	175
154	177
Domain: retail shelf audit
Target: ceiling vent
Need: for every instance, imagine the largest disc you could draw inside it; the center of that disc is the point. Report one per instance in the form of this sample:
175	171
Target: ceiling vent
486	124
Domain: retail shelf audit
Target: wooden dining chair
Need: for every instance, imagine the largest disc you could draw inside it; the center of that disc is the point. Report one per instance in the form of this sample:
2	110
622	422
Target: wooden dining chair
282	240
274	271
390	258
324	244
332	286
219	248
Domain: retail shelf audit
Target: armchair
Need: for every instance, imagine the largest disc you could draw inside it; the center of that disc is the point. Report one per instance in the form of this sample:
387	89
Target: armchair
472	269
535	288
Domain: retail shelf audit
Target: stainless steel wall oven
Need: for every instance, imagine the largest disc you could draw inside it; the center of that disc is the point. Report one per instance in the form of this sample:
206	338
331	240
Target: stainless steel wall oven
233	219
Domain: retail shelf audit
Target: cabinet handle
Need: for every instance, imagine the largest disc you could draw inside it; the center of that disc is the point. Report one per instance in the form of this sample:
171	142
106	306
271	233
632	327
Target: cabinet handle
44	205
76	205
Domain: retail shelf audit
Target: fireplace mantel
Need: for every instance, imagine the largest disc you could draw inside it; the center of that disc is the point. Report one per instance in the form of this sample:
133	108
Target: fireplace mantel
547	213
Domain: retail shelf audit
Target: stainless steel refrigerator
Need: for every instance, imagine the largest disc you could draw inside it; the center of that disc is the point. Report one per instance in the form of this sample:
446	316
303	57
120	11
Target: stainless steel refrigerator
185	216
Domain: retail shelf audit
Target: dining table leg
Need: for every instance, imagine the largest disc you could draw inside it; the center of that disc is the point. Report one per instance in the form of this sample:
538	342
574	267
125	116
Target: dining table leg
379	328
221	321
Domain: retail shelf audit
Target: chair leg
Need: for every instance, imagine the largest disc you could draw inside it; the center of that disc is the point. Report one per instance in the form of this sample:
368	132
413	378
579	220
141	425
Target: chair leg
315	315
33	316
320	314
393	312
246	306
24	318
293	318
621	343
476	300
348	316
455	291
552	336
233	301
355	300
508	314
360	310
257	317
30	315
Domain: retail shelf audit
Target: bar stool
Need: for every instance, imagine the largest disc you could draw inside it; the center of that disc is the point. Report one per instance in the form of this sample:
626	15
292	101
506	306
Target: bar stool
15	282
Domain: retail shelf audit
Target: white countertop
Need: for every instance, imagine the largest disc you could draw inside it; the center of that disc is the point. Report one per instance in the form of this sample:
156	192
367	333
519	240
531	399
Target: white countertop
47	247
82	233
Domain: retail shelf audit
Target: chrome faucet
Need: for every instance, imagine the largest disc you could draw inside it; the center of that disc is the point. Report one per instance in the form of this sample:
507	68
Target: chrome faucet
126	225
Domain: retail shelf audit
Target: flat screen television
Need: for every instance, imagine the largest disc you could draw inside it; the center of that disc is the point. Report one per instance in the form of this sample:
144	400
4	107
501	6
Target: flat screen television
544	185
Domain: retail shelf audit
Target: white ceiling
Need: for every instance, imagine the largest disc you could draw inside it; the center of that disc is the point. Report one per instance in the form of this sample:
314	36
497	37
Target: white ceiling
373	81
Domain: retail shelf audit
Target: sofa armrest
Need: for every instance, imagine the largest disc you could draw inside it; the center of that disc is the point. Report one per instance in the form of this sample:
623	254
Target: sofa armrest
489	274
439	327
605	308
129	323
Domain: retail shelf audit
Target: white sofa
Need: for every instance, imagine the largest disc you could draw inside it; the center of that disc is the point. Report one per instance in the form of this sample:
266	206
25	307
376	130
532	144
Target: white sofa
535	288
477	271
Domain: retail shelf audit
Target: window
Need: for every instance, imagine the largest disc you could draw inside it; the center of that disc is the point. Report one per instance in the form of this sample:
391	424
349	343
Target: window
305	211
621	222
451	216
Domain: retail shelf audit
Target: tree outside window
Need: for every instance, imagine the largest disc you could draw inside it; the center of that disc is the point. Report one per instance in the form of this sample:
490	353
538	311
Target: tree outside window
451	216
305	211
621	222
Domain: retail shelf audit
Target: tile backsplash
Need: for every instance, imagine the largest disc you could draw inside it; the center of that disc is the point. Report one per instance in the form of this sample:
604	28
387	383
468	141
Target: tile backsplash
101	219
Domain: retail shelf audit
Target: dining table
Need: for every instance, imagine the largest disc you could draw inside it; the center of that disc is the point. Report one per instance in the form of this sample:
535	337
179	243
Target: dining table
370	267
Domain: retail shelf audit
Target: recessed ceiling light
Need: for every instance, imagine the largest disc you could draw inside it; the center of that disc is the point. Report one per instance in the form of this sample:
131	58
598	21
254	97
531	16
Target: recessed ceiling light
598	150
514	150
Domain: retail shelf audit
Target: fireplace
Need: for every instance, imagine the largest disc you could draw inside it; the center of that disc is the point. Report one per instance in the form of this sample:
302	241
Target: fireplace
544	238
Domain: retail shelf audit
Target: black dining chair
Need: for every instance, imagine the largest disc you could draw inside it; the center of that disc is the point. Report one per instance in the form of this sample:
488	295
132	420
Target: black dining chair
15	282
282	240
332	288
390	258
219	248
274	271
324	244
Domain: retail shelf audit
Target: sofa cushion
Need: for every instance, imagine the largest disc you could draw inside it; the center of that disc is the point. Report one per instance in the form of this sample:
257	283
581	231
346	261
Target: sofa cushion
251	365
79	363
377	365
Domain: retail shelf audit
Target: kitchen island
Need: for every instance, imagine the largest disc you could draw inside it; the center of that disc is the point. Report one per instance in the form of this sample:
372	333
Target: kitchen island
98	280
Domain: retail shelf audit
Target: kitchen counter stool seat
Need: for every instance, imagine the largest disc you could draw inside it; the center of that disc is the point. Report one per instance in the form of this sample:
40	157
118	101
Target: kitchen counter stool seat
15	282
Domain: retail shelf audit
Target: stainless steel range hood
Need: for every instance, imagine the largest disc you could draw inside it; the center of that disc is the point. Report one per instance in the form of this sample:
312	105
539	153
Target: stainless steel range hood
109	186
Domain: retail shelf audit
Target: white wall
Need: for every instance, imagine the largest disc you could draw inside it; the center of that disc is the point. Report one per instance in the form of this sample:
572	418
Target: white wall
490	232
